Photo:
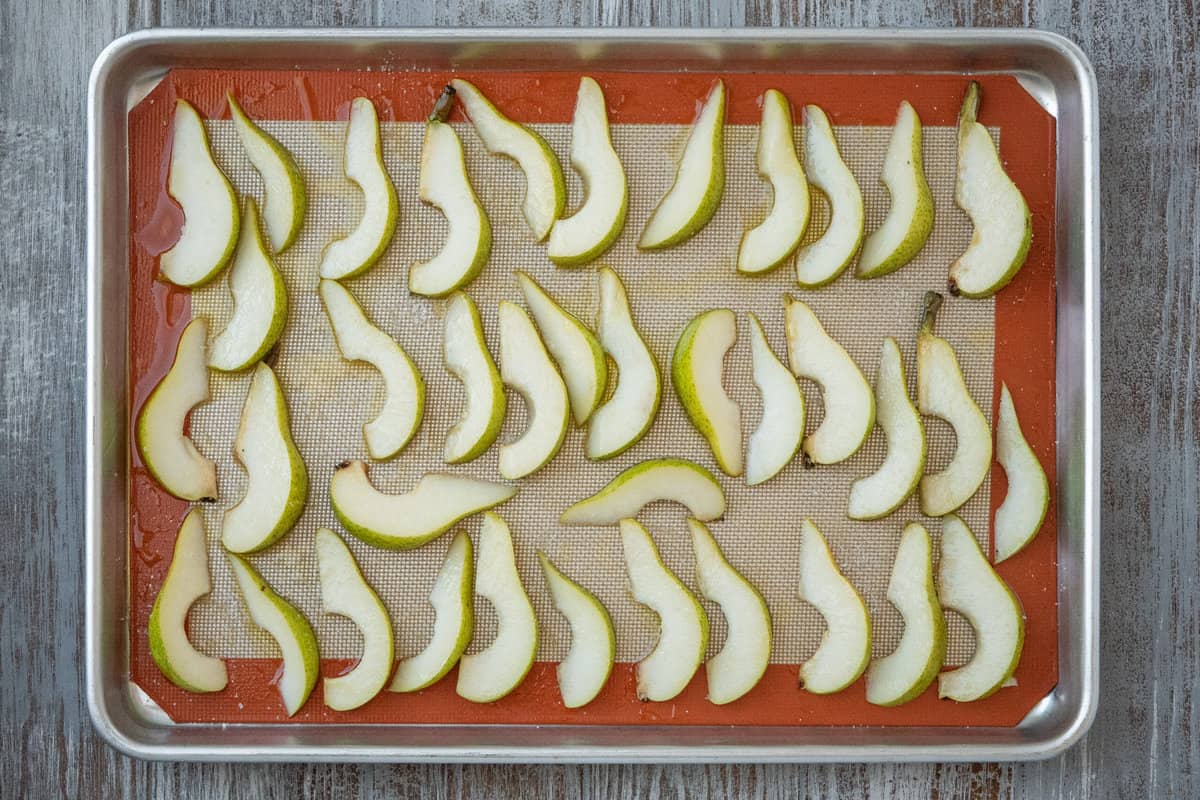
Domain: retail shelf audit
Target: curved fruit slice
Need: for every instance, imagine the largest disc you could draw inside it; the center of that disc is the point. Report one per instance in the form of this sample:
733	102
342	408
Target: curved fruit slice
166	450
453	603
260	304
910	218
684	626
767	246
743	659
941	392
487	676
345	592
699	180
995	205
277	482
1020	516
845	393
659	479
186	582
696	370
907	672
545	188
467	358
210	210
284	196
777	438
968	584
583	236
290	630
845	648
883	491
402	521
403	388
359	251
630	411
585	670
575	349
822	261
526	366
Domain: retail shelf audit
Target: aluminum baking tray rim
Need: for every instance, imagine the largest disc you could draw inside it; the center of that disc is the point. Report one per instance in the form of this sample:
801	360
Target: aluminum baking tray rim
1051	67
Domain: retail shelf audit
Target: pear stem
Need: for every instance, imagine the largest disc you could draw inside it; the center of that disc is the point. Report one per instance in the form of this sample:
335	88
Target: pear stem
969	112
443	105
929	310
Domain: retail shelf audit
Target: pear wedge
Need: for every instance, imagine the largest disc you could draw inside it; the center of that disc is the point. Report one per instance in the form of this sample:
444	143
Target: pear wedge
284	197
768	245
674	479
210	210
820	262
777	438
490	674
699	180
358	252
586	234
404	521
1020	516
277	482
588	664
186	582
403	387
845	648
968	584
545	187
467	358
684	626
624	419
696	370
346	593
166	450
526	367
1003	224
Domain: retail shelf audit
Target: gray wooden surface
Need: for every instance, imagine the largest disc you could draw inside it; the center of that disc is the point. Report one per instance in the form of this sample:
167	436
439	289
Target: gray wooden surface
1145	742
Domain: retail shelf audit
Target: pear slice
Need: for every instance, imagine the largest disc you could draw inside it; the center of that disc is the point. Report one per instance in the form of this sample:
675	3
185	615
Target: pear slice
467	358
585	670
820	262
886	489
443	183
777	438
586	234
453	603
403	387
526	366
942	392
186	582
845	394
166	450
1003	225
743	659
284	197
696	369
906	673
845	648
260	303
684	626
210	210
346	593
575	349
1020	516
403	521
910	218
358	252
699	180
290	630
768	245
545	188
277	482
630	411
673	479
968	584
490	674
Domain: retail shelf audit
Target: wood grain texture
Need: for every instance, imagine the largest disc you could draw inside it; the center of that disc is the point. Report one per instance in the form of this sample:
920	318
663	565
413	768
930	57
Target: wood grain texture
1145	742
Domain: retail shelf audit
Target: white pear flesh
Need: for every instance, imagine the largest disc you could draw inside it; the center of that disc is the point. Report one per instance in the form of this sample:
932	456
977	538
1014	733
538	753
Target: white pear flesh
671	479
186	582
845	648
284	197
697	368
968	584
467	358
821	261
490	674
526	367
683	625
777	438
588	664
769	244
1020	516
403	387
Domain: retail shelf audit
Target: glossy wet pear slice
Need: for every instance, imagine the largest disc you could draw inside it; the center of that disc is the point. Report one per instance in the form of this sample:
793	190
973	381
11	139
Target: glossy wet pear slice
284	197
697	367
1020	516
588	664
845	648
821	261
673	479
777	438
467	358
526	367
